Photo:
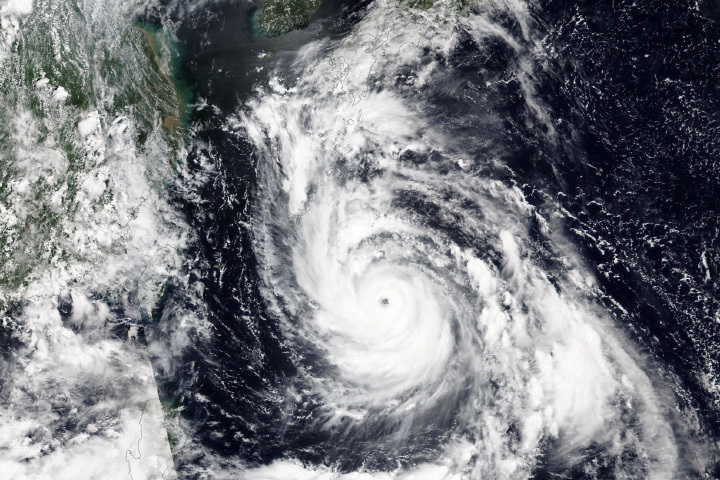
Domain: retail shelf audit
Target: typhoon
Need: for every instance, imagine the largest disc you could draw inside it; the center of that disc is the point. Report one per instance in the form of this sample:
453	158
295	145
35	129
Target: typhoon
446	335
390	239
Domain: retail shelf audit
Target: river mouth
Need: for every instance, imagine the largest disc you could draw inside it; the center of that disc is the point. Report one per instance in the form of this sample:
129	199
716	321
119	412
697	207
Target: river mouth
409	239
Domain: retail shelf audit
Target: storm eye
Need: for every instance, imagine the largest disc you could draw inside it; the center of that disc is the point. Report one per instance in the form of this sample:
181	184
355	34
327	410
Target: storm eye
385	301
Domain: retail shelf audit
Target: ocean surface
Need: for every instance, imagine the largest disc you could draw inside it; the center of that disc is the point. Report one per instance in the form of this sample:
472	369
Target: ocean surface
411	239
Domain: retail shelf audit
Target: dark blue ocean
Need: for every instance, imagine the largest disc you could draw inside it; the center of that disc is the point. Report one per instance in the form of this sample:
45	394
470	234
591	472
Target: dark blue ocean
624	162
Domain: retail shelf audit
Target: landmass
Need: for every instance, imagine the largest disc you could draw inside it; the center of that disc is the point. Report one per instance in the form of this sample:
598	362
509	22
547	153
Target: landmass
277	17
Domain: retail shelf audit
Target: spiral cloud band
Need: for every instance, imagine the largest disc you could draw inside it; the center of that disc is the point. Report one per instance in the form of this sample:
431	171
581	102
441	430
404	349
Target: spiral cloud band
434	300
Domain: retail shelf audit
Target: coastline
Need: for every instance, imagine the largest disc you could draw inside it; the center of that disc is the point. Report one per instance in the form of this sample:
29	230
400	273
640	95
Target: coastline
158	41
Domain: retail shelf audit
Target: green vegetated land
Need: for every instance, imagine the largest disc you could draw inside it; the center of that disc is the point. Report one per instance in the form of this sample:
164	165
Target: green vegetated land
165	61
277	17
40	149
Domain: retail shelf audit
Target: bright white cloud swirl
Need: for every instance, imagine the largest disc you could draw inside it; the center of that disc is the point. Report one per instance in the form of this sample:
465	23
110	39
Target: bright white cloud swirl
415	328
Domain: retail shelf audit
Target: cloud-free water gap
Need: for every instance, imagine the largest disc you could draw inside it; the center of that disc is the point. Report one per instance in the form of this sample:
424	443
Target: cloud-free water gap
378	250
